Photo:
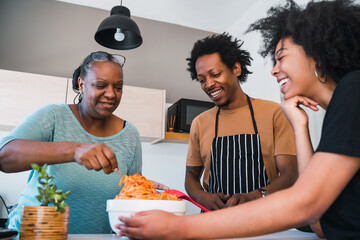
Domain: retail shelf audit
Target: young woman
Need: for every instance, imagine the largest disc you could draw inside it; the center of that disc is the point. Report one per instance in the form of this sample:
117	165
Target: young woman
73	139
316	53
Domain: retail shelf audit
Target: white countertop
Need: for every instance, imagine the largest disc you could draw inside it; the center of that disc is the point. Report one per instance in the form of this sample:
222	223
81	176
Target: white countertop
291	234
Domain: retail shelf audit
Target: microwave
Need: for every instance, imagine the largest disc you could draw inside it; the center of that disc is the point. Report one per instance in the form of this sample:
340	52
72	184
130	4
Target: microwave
184	111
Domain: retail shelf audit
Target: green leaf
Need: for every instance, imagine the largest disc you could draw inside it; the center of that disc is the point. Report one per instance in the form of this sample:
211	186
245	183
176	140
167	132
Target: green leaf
44	201
48	193
60	209
38	197
35	167
65	195
41	191
43	183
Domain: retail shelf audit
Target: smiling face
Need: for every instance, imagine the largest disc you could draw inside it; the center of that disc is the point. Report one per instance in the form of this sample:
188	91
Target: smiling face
102	89
218	81
294	70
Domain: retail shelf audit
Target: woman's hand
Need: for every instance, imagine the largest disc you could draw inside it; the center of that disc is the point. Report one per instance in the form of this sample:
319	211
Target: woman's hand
294	113
96	157
153	224
158	186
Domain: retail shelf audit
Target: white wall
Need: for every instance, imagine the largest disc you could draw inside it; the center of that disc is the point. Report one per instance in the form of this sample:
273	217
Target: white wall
165	162
260	83
10	185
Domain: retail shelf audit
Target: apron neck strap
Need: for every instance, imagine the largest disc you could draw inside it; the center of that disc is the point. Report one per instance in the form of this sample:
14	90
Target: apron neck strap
251	112
216	121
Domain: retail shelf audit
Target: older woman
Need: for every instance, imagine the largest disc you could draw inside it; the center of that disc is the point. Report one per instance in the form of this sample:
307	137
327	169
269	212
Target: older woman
82	137
316	53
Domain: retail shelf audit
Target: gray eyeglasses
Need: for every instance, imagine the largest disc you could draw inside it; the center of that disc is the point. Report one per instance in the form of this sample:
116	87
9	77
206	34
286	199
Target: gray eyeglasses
103	56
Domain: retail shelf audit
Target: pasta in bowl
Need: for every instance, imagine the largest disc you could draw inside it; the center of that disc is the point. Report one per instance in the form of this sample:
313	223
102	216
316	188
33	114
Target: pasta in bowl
139	194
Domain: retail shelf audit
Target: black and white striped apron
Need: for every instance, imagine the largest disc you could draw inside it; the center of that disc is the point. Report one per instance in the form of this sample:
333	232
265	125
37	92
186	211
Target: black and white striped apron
237	164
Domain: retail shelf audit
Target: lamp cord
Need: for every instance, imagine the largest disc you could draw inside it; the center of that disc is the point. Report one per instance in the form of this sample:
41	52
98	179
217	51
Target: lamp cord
6	207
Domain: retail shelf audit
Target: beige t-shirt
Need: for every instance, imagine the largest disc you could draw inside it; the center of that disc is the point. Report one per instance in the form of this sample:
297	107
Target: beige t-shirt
276	135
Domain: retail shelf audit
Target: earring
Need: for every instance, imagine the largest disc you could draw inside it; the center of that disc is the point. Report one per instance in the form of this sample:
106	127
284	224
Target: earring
316	74
80	95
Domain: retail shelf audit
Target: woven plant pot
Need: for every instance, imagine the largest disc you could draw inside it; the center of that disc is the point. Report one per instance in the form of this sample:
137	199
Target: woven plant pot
44	222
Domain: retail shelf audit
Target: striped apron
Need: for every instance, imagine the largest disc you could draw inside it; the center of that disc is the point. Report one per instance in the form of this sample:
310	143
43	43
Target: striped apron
237	164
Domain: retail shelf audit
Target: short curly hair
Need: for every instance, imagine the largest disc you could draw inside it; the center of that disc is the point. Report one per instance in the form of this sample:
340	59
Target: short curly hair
228	49
328	31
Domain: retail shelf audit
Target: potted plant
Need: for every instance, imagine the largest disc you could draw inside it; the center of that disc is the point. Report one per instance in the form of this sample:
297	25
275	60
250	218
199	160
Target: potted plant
50	220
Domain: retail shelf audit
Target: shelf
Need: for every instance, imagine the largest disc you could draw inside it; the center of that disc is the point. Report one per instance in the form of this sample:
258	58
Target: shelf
176	137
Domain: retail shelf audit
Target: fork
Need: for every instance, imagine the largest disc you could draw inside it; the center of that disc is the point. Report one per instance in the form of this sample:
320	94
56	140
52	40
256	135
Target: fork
117	171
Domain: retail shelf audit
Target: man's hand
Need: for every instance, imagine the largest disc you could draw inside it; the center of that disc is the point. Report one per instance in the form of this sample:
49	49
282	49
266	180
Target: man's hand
212	201
239	198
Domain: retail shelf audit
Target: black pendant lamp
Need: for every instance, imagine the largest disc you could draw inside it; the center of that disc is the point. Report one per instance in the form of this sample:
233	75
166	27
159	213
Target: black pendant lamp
119	31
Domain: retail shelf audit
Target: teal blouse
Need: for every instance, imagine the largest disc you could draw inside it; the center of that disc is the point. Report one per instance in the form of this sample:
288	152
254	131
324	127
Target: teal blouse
89	189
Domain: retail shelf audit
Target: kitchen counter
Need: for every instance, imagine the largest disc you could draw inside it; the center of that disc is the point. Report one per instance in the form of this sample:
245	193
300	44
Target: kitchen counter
291	234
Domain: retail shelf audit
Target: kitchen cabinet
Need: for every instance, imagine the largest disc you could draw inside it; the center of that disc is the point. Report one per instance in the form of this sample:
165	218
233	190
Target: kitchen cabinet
145	108
22	93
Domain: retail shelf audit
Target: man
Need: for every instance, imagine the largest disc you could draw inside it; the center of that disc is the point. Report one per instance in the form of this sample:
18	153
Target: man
243	147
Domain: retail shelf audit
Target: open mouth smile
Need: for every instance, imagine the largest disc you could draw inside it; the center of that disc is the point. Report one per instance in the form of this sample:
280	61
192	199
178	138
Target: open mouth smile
107	105
215	94
283	81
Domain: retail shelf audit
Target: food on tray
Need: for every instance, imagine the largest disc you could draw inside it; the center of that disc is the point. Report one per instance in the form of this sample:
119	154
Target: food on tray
139	187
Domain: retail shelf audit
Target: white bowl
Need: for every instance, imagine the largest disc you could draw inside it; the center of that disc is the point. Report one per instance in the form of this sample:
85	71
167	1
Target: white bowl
126	207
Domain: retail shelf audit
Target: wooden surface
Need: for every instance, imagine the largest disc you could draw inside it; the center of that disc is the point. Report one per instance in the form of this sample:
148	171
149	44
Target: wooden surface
176	137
